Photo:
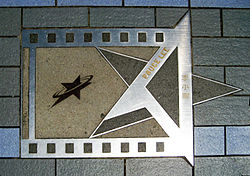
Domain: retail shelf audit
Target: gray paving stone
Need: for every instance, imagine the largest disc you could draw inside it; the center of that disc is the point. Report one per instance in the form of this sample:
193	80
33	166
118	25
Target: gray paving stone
239	77
221	51
9	111
176	3
90	167
236	23
55	17
238	140
15	3
10	22
10	51
122	17
27	167
204	90
221	3
158	166
206	22
168	17
9	79
222	166
209	140
223	111
9	143
215	73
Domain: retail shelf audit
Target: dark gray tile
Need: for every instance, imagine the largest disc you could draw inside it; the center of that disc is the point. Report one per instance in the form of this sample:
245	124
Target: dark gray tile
206	22
221	51
27	167
236	22
123	120
223	111
238	140
69	148
239	76
148	129
204	89
159	167
160	146
51	148
209	140
215	73
167	77
10	51
124	147
10	23
9	111
9	78
106	147
32	148
55	17
122	17
222	166
133	67
142	147
90	167
87	148
173	15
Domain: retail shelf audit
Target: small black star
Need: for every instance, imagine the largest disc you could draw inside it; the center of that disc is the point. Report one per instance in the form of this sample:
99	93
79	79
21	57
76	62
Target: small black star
72	89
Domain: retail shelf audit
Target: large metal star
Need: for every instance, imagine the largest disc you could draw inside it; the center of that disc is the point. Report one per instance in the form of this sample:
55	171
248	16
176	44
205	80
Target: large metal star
138	95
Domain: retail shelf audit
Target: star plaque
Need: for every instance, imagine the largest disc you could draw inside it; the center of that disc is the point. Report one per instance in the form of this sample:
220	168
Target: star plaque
111	92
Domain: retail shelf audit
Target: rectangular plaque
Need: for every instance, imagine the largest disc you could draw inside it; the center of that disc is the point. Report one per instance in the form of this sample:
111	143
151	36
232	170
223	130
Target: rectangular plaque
107	92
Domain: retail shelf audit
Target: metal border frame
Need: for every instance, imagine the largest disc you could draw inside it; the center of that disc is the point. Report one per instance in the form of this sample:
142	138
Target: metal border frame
180	142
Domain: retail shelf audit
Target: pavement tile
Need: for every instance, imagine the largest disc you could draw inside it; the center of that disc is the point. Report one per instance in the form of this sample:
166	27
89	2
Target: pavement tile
10	52
221	3
209	140
206	22
55	17
173	15
9	111
179	3
9	78
238	140
89	3
11	23
223	111
27	167
222	166
122	17
215	73
239	77
236	23
9	143
221	51
89	167
13	3
158	166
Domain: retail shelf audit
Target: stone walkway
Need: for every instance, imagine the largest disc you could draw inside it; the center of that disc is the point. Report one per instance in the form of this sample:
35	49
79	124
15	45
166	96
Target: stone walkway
220	51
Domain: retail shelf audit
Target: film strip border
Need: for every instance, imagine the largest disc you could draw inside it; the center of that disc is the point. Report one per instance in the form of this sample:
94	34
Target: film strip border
94	37
77	148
